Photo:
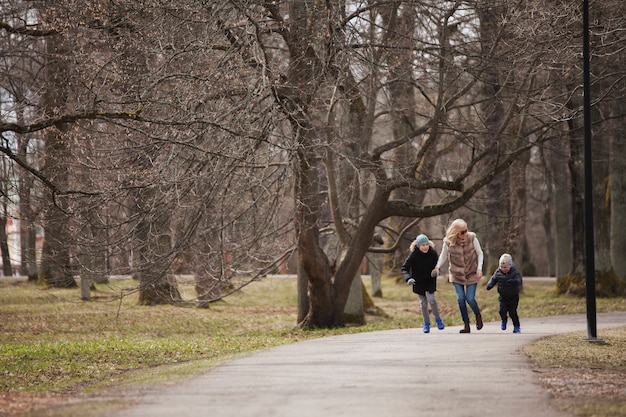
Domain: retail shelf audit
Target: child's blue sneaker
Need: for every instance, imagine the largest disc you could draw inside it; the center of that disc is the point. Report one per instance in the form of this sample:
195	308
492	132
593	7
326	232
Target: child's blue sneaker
503	325
440	324
516	329
426	327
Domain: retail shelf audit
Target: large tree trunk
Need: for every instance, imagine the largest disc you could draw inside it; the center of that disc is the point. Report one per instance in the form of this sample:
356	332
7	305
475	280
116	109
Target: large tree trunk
375	266
601	206
497	237
314	261
7	268
92	260
56	269
618	193
29	252
354	311
546	220
156	282
518	219
351	263
562	207
575	277
302	293
152	257
398	22
303	75
575	165
28	237
55	258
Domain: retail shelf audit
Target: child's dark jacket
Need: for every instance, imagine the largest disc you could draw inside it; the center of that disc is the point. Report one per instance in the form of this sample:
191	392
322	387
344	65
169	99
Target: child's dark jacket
508	284
419	265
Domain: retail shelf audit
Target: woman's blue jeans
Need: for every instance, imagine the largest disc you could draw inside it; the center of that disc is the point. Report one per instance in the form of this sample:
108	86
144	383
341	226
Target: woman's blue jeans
466	294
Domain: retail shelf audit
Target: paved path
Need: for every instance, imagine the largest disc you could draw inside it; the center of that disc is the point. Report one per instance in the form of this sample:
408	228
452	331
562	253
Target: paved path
394	373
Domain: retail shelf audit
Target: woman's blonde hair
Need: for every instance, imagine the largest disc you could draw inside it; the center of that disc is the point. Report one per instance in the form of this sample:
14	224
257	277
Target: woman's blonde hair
456	226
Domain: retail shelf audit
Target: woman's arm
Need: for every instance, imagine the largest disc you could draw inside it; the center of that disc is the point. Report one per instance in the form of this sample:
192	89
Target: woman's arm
481	257
443	256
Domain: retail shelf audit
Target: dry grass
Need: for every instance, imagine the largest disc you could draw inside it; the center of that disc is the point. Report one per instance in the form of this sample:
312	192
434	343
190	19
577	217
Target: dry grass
57	348
587	378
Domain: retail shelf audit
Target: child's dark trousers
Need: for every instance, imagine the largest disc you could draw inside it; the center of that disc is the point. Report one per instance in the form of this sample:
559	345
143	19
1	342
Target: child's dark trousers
508	305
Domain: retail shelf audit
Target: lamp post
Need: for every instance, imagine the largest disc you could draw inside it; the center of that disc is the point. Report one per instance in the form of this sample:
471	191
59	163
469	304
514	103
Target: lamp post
590	281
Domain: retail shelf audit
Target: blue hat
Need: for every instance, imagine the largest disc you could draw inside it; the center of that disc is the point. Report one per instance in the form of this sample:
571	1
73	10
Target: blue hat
421	239
506	260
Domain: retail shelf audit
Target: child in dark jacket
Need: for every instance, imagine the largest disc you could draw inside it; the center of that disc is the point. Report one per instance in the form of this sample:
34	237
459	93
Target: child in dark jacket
418	270
509	280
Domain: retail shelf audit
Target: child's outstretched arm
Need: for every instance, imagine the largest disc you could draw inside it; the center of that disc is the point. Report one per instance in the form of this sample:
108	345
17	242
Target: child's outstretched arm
492	281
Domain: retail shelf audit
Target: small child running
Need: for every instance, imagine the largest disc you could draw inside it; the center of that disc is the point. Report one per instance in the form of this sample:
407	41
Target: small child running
509	280
418	270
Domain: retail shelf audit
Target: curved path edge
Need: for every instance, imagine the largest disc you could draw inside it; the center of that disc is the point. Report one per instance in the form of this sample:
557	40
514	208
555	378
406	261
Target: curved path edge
398	373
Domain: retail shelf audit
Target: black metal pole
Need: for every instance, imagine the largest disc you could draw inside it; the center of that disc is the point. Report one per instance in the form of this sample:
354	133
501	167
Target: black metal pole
590	267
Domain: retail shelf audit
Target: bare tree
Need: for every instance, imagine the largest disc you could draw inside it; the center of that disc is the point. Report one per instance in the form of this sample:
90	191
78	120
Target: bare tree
608	96
215	138
328	292
18	75
618	191
55	264
158	139
562	77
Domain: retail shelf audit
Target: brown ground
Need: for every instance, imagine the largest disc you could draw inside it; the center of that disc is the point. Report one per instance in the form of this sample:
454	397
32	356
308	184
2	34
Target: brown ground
13	404
583	382
586	391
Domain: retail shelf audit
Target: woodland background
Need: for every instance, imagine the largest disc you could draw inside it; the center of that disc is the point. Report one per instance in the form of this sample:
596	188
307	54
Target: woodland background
231	139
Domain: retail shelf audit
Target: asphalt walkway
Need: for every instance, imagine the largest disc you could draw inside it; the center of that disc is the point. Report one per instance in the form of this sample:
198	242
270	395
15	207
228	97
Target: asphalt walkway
394	373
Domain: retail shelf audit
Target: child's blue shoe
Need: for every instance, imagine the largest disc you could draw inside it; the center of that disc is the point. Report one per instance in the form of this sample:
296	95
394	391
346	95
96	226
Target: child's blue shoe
426	327
440	324
503	325
516	329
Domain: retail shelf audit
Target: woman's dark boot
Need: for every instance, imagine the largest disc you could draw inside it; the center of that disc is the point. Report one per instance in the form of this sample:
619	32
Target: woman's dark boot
479	322
466	329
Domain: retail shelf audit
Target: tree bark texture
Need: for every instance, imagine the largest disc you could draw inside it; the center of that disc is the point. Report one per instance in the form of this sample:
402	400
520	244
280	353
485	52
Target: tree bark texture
55	259
617	194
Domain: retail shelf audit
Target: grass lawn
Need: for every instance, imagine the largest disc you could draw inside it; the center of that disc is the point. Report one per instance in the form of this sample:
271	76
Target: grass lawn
55	346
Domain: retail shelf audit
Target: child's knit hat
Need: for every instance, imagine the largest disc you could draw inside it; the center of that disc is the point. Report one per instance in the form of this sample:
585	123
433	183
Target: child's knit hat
421	239
506	260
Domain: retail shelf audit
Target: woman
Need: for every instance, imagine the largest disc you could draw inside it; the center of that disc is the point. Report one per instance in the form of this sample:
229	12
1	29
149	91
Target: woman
465	257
